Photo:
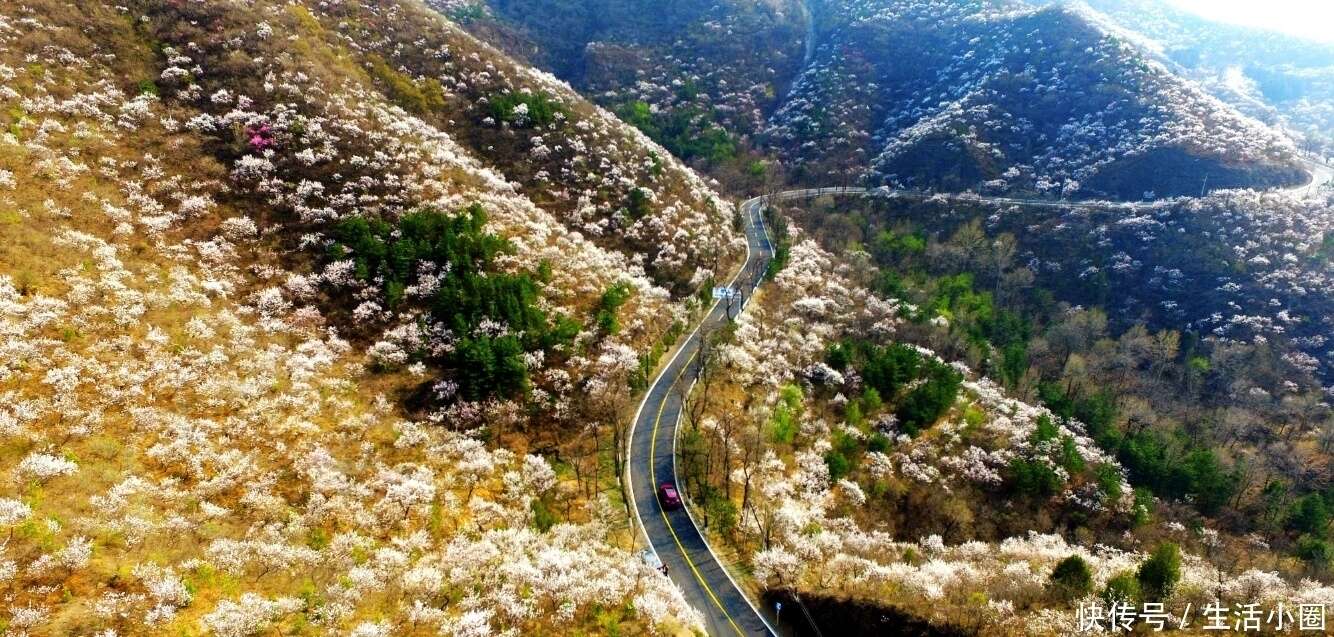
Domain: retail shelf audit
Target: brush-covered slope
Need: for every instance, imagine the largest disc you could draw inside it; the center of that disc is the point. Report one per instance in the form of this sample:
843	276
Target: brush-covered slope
698	75
1000	96
313	317
926	422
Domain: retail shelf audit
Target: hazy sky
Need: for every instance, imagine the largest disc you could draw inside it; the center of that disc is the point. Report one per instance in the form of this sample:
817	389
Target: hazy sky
1306	18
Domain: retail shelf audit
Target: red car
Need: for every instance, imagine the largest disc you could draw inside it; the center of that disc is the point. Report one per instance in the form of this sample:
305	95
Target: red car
669	497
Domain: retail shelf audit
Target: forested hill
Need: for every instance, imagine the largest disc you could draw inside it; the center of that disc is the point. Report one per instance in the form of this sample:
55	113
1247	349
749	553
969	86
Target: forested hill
1001	97
330	317
997	95
314	318
699	76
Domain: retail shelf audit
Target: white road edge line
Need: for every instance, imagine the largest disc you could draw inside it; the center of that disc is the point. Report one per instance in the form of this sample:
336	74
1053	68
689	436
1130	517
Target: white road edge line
676	434
648	393
630	437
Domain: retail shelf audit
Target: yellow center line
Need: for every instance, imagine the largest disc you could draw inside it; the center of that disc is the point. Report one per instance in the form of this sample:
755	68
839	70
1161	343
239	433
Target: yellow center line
652	453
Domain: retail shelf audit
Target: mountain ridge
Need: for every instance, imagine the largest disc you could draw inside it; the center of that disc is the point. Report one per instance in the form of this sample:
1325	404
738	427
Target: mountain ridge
977	114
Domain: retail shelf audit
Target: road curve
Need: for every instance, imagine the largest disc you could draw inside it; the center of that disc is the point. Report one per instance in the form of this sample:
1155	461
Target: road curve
1321	174
673	535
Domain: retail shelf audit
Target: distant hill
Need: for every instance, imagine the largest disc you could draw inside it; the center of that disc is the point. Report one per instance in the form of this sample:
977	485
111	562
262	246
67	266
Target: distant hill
699	77
1004	97
1281	79
995	95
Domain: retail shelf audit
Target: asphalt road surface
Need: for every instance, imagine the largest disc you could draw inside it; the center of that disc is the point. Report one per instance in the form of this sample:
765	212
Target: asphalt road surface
672	534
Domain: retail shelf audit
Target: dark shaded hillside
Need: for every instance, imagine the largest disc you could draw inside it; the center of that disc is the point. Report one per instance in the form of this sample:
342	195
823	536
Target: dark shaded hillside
699	76
996	95
564	29
851	618
1236	266
1175	172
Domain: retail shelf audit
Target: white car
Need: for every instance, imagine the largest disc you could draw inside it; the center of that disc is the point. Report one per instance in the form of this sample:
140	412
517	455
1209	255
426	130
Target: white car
650	558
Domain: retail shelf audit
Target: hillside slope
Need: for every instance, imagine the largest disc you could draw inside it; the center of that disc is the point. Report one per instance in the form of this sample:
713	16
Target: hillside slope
926	420
1000	96
701	77
314	318
1279	79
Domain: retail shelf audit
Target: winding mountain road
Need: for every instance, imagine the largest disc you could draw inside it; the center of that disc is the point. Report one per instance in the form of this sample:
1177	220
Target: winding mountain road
672	534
